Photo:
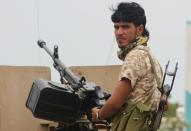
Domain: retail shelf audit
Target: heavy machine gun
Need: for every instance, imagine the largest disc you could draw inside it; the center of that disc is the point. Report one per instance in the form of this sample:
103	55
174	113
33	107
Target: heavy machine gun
69	102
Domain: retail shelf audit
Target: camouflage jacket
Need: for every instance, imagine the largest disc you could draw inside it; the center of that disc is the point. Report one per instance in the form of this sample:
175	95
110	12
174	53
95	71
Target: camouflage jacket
138	69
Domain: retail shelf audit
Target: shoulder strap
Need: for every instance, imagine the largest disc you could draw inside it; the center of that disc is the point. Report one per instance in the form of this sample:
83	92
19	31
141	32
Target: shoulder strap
153	67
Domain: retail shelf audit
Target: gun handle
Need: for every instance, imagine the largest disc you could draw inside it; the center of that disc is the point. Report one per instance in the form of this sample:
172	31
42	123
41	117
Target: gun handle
157	120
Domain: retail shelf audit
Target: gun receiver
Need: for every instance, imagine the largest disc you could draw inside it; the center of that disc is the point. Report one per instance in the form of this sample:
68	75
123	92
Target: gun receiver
165	92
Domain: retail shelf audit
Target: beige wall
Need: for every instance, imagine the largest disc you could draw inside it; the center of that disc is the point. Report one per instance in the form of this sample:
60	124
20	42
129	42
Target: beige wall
15	83
105	76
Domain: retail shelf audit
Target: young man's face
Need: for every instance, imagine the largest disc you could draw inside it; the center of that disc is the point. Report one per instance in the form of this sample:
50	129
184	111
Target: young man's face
125	33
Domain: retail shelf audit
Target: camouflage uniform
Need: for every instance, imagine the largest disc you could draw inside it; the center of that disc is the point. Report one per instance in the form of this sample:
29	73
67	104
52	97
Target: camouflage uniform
145	96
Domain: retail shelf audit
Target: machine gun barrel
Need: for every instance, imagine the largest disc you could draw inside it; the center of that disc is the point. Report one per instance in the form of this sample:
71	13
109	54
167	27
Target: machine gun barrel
62	69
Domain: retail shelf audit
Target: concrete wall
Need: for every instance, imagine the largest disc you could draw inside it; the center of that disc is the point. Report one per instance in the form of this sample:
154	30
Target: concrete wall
104	76
15	84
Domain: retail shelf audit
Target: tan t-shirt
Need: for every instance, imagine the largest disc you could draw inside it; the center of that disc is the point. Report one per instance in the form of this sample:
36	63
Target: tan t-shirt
137	68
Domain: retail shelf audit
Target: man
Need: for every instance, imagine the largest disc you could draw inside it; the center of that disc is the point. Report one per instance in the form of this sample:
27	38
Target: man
136	95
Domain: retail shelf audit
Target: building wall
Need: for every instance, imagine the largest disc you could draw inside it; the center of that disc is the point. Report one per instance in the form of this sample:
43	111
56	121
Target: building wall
188	74
104	76
15	84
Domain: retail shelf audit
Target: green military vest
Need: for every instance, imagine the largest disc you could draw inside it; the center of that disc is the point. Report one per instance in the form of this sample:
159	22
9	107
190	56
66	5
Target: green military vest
130	118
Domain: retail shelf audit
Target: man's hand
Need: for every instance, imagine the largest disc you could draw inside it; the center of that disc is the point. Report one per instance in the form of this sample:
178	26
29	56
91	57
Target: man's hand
164	98
166	106
114	103
95	111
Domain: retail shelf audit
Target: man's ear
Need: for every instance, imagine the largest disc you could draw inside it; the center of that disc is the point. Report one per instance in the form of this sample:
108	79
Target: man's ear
140	30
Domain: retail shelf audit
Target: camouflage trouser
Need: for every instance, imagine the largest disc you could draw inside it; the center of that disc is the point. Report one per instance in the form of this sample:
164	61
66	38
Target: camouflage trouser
132	119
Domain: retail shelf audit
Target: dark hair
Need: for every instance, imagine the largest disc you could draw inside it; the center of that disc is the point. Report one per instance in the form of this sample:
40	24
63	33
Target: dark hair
130	12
